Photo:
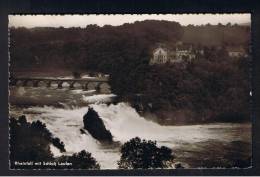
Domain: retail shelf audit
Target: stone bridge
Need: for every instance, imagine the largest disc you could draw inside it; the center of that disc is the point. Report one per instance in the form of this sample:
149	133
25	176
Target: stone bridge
35	82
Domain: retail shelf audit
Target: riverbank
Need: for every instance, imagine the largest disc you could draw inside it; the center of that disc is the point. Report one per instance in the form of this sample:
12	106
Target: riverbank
169	115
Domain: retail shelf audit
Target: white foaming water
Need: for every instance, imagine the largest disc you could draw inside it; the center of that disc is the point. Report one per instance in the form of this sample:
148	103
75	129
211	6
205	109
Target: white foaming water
87	77
80	91
101	98
124	123
66	124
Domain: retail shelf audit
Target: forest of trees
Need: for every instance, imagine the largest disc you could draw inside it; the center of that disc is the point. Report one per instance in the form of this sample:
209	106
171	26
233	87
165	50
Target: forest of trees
213	87
91	48
80	48
214	35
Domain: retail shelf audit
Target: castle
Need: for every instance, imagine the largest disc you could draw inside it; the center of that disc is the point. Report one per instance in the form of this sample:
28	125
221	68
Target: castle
182	52
187	52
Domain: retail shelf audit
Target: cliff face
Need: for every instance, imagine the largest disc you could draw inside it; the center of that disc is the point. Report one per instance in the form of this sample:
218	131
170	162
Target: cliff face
95	126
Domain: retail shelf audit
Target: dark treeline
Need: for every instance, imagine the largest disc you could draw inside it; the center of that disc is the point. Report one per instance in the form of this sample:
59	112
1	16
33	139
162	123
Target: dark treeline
213	35
99	48
212	87
92	48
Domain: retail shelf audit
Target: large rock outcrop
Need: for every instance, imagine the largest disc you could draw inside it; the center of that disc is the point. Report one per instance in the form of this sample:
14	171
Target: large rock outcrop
95	126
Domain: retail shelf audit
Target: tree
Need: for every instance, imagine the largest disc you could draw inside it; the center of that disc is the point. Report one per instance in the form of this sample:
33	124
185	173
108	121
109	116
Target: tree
228	24
220	25
30	141
81	160
142	154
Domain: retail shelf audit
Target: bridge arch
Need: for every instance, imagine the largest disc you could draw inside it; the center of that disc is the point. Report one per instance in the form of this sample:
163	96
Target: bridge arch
24	83
41	83
62	84
47	83
77	85
92	85
103	87
98	86
28	83
85	86
18	83
35	83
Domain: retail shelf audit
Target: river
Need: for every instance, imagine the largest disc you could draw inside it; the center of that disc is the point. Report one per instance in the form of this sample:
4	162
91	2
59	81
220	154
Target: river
62	110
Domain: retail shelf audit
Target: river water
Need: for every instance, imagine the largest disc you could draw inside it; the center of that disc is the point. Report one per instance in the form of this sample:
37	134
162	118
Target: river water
62	110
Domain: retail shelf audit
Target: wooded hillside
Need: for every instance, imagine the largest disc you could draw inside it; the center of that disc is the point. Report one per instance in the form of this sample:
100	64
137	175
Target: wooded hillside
210	35
212	87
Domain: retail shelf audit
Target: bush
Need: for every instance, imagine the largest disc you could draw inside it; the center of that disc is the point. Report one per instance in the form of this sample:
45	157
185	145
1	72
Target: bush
29	141
142	154
81	160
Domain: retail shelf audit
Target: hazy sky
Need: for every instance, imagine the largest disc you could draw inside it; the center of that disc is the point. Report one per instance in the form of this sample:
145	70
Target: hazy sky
84	20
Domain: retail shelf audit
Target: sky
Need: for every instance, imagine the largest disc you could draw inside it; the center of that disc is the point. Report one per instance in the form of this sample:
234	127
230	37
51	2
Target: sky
30	21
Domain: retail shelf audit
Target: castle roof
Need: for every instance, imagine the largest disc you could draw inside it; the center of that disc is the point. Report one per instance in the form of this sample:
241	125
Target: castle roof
160	50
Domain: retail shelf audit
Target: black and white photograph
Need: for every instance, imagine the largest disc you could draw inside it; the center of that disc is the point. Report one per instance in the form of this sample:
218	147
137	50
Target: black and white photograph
130	91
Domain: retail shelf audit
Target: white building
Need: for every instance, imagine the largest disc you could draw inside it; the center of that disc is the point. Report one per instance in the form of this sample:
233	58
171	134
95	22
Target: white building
179	54
236	52
160	56
184	52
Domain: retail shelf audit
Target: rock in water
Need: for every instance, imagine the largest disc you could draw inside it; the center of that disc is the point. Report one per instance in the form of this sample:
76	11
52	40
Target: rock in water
95	126
82	131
